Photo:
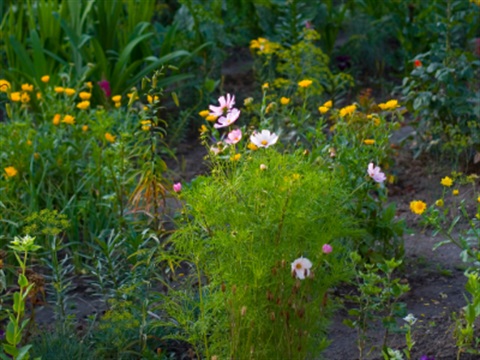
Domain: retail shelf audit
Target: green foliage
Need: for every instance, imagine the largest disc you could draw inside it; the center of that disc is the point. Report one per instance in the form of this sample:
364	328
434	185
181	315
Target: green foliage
440	90
243	228
378	298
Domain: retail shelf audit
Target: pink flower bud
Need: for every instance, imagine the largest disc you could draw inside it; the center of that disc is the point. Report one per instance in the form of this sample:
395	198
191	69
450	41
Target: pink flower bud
177	187
327	248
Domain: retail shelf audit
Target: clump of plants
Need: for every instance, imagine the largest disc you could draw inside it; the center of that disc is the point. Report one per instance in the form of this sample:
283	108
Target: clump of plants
265	236
457	221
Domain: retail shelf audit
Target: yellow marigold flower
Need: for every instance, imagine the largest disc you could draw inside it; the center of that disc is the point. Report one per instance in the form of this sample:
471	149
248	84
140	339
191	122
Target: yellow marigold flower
348	110
236	157
83	105
70	91
265	86
203	129
455	192
56	119
328	104
152	99
29	142
39	95
25	98
68	119
85	95
10	171
252	146
58	89
284	100
85	128
439	203
145	108
305	83
36	156
117	98
109	137
418	207
446	181
4	85
27	87
211	118
118	104
204	113
45	78
389	105
369	141
478	199
89	84
146	124
323	109
15	96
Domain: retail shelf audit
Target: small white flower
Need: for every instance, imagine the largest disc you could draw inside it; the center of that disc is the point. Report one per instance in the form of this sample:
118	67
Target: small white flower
301	267
410	319
263	139
263	167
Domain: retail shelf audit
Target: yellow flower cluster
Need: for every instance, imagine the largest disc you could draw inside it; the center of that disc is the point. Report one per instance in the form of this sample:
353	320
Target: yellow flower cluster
263	46
389	105
325	107
348	110
117	99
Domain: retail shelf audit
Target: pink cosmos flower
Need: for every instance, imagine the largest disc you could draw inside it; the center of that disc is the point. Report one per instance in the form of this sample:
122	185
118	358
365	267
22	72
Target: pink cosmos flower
177	187
327	248
234	136
301	268
227	120
105	85
264	138
226	104
375	173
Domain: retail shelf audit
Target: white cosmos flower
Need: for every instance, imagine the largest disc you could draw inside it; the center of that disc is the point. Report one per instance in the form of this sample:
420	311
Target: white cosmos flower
301	267
410	319
263	139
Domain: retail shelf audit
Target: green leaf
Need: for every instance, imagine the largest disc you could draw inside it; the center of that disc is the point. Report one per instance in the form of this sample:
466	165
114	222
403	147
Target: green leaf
10	333
23	352
22	281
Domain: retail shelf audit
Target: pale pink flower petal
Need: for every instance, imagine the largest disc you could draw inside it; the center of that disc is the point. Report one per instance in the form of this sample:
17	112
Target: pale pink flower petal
301	268
227	120
375	173
226	105
234	136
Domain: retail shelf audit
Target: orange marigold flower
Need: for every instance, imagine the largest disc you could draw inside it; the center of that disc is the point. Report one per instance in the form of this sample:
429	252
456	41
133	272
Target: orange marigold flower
15	96
70	91
4	85
305	83
10	171
85	95
56	119
109	137
68	119
27	87
45	78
